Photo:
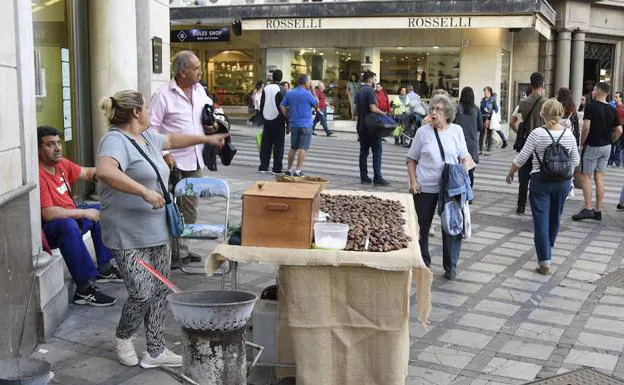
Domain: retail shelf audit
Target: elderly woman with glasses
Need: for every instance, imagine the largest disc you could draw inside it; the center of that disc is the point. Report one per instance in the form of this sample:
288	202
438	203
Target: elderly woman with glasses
425	165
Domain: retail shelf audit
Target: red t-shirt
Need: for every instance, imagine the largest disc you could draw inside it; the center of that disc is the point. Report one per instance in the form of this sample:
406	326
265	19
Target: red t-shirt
320	95
54	187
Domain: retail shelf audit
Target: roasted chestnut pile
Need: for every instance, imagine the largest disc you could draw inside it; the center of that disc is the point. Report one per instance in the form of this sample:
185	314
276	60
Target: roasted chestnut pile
380	219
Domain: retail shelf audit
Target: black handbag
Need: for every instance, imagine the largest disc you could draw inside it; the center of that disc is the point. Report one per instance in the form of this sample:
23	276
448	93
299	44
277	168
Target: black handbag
208	115
227	152
379	125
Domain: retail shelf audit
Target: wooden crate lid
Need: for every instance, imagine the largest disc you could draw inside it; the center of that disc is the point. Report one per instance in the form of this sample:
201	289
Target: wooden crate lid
284	190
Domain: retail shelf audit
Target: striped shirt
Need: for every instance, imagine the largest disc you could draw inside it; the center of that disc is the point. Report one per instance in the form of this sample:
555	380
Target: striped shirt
539	139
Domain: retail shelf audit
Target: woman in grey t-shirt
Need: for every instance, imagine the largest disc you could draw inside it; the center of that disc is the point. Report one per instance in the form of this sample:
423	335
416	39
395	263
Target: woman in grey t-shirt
133	217
424	168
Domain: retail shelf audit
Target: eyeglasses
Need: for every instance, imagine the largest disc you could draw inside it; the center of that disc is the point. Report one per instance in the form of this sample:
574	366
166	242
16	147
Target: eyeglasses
436	110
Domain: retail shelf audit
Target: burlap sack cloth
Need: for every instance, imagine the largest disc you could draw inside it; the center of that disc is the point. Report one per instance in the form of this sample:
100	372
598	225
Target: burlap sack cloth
344	316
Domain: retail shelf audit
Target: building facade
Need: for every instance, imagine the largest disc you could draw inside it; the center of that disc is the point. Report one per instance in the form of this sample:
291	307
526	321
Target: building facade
57	59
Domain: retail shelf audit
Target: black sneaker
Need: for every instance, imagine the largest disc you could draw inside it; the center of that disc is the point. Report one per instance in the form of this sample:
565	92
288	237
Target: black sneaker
193	257
598	215
451	275
93	298
520	210
381	182
288	173
330	133
112	275
619	207
366	181
584	214
504	144
297	173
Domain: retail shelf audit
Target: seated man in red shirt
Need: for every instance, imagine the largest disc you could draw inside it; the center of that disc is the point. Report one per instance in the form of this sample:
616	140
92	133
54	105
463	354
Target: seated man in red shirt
64	223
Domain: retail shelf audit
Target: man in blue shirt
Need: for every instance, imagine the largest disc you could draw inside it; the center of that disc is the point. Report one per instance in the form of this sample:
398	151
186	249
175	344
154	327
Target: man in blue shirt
366	103
297	106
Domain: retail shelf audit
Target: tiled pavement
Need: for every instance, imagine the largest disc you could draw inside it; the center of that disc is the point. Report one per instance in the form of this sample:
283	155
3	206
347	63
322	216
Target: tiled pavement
499	323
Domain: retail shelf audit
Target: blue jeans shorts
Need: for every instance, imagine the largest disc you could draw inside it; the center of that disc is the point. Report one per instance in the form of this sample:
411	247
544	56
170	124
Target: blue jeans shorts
300	138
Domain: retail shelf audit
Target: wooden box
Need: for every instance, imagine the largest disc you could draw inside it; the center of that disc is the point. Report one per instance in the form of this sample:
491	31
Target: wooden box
280	214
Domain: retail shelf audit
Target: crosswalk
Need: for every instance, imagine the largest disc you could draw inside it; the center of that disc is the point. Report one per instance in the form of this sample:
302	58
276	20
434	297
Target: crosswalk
339	155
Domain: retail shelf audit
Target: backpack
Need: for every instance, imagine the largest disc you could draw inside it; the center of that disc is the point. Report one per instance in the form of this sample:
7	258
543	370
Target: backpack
555	166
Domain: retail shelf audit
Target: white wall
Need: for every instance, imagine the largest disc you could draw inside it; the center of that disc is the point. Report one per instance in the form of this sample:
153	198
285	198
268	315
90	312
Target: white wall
279	58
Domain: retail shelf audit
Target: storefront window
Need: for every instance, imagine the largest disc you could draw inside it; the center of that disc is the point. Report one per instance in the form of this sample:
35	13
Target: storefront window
427	69
53	68
331	66
231	76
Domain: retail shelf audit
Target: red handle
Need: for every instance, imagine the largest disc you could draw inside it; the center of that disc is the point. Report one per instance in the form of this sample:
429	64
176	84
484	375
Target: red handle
161	277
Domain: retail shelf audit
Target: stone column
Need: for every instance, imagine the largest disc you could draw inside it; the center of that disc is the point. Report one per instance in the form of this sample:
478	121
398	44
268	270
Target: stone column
113	54
578	63
564	51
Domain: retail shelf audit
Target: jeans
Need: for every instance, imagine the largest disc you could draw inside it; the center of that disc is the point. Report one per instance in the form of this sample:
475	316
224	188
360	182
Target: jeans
616	155
66	234
321	116
471	176
547	200
367	143
451	244
273	137
622	196
524	176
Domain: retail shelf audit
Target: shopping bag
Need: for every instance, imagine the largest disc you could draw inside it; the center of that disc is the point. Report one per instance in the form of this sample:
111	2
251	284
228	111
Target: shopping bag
397	132
578	177
259	139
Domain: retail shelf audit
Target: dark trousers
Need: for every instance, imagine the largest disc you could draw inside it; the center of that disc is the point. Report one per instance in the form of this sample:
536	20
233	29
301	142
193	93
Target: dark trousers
471	175
547	201
188	208
616	155
368	143
273	135
321	117
426	204
66	234
524	176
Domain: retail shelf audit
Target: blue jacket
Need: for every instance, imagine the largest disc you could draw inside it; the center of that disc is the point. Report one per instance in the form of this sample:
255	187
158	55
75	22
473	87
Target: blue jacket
455	190
488	106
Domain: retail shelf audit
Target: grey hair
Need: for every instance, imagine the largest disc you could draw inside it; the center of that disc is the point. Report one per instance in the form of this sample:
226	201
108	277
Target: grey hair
447	103
181	61
303	79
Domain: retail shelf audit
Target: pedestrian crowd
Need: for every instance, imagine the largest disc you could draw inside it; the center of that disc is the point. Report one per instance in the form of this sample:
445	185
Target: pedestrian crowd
152	145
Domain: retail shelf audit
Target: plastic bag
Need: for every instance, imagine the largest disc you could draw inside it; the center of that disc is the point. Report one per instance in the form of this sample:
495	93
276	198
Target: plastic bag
259	139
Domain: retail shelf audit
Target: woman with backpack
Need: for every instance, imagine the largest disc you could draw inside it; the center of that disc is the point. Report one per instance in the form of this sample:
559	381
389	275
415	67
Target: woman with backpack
553	166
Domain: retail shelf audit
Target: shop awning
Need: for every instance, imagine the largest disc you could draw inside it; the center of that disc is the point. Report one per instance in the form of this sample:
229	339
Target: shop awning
340	9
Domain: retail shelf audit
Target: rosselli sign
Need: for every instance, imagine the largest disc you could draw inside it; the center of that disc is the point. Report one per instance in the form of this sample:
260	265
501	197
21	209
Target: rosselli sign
415	22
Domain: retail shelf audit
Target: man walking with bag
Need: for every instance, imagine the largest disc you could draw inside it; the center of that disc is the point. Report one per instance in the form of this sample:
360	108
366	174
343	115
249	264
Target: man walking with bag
529	108
176	108
366	103
274	129
601	127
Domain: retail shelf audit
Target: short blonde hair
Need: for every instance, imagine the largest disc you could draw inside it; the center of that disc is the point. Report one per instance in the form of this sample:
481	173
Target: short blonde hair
552	112
118	108
447	103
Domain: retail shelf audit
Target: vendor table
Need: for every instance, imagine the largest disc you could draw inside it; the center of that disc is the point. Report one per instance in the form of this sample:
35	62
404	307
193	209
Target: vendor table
343	316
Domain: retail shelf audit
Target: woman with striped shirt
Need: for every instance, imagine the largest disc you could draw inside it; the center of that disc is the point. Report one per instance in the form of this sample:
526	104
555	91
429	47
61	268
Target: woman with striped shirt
547	198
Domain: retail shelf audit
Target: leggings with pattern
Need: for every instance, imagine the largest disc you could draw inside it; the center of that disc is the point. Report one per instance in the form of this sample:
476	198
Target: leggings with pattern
146	295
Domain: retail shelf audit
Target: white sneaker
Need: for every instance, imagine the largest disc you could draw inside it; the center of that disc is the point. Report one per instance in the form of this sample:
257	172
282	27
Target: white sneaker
166	358
125	351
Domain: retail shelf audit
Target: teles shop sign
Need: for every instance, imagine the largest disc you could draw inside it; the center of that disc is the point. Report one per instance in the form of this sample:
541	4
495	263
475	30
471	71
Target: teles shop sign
199	35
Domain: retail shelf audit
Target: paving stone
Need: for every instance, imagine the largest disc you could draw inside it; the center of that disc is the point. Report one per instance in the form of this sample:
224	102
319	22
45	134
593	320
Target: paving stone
521	284
498	259
594	267
472	246
539	332
551	317
522	240
485	380
570	293
488	267
512	368
480	321
610	311
610	234
562	304
496	307
475	276
510	295
91	368
461	287
438	314
565	246
448	299
528	349
572	234
614	290
600	341
466	338
425	376
481	240
418	331
613	245
600	250
498	230
603	324
532	275
508	252
445	356
152	377
593	359
596	257
612	299
518	246
572	283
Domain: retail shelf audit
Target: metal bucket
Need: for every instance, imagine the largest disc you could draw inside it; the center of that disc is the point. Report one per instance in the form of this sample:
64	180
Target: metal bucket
213	329
24	372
